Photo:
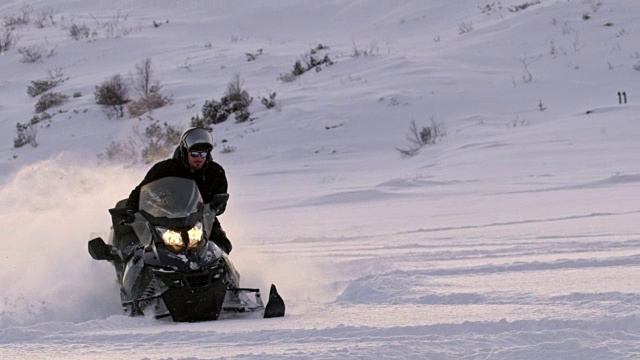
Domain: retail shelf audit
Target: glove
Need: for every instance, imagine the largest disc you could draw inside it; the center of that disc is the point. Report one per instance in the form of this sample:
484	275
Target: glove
219	203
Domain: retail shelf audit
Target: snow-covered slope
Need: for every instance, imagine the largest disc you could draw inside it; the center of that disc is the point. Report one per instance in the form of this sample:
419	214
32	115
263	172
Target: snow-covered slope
514	236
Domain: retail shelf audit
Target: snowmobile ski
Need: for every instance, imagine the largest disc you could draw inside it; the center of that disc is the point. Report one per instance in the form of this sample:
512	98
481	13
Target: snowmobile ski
275	305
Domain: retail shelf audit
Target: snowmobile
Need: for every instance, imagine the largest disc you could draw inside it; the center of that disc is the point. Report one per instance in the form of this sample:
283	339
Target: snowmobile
165	264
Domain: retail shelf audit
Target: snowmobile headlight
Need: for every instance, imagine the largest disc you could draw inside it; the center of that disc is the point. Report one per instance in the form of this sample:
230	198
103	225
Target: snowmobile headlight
171	237
195	235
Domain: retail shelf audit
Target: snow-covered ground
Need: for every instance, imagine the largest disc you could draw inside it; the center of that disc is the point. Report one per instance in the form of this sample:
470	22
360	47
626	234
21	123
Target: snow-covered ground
515	236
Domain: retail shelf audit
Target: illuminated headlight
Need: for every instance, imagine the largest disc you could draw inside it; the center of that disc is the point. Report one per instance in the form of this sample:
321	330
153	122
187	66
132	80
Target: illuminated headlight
195	235
170	237
174	238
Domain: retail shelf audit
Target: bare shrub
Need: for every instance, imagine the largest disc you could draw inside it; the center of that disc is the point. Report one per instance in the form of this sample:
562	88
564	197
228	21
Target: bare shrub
157	141
139	107
26	133
311	61
113	92
287	77
115	28
517	122
490	8
315	63
270	102
49	100
527	77
523	6
122	151
8	39
44	18
252	56
79	32
567	29
236	94
197	121
113	112
227	149
157	24
143	80
31	53
57	73
238	99
370	50
148	88
421	137
19	20
541	106
35	53
465	27
56	77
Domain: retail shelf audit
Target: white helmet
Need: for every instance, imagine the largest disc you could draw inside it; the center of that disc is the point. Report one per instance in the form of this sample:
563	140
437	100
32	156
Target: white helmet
197	137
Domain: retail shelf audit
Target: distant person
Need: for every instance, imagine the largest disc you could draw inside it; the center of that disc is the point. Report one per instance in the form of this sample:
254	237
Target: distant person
191	160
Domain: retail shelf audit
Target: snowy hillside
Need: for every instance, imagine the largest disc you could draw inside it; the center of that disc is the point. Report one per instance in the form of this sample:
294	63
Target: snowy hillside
514	236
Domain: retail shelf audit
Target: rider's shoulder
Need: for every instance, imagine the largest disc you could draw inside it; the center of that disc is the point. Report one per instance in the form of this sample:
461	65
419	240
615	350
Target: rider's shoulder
214	166
165	165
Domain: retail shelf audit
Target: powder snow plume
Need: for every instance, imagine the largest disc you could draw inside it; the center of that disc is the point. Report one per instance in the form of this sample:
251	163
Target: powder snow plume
50	210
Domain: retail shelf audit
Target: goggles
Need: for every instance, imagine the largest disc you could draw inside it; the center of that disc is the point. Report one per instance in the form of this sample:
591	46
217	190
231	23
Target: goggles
202	154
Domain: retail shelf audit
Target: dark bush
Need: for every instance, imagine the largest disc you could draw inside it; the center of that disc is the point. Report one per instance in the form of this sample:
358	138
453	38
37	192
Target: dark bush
38	87
270	102
310	62
243	115
78	32
56	77
50	100
113	92
236	101
213	112
26	133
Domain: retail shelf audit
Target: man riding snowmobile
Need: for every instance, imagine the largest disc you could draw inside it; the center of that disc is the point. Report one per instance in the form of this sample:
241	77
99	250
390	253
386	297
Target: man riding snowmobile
159	246
192	160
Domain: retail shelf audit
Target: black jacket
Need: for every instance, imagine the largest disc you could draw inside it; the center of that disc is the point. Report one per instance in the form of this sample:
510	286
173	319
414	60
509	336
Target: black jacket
210	179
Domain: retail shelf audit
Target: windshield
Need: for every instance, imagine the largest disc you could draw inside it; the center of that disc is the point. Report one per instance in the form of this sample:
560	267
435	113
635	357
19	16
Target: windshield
170	197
